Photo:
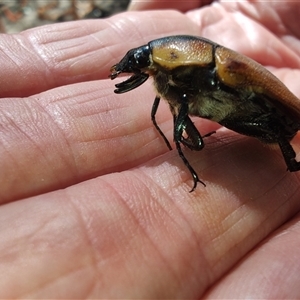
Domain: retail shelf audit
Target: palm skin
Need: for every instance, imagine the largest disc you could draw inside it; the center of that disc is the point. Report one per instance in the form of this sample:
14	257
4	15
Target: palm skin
93	203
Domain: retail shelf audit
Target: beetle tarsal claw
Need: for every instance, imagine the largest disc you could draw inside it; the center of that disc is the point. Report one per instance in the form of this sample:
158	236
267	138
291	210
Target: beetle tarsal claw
196	180
114	73
222	85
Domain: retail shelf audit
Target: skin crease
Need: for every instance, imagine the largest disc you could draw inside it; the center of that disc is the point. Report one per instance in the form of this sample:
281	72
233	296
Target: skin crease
93	203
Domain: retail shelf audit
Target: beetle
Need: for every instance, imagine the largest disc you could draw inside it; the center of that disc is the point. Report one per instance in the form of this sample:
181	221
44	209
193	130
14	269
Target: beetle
198	77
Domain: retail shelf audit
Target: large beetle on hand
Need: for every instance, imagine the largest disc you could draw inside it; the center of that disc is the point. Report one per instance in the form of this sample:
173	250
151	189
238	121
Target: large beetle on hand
201	78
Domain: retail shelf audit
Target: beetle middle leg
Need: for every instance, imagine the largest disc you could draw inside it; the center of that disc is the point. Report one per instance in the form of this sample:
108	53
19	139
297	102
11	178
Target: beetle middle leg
289	155
182	122
194	141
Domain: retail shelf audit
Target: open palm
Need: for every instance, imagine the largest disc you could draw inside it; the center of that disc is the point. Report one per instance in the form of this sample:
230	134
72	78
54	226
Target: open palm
93	203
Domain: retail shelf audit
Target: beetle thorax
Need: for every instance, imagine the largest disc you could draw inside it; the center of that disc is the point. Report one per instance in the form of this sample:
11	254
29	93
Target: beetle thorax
204	95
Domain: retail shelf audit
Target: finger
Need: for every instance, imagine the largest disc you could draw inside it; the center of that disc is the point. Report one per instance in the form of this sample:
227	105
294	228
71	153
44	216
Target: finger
234	25
156	4
275	259
78	51
76	132
49	56
46	183
275	16
70	134
54	55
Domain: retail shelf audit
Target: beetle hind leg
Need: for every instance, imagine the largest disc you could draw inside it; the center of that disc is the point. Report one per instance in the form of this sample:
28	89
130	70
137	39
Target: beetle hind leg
289	155
269	130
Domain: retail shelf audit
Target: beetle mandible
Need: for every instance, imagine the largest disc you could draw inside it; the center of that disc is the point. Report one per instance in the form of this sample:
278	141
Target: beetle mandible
200	78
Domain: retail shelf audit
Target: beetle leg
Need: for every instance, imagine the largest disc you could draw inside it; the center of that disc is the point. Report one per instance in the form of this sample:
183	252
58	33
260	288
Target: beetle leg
209	134
153	113
268	132
180	122
193	140
289	155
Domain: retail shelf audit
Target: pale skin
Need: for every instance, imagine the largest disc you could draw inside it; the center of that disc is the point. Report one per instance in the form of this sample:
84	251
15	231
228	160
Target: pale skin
93	203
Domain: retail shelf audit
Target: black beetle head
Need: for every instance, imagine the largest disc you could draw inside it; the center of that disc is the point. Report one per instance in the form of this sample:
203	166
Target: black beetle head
135	61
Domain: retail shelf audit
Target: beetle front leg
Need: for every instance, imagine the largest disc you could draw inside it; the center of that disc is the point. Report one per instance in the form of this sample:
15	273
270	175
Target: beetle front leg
194	140
153	113
180	124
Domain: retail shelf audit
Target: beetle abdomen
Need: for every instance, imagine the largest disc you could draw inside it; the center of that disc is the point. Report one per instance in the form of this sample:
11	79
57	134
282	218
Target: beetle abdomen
240	72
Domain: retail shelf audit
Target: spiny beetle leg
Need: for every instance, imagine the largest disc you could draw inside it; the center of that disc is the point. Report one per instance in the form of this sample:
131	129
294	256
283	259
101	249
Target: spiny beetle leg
153	113
289	155
193	140
180	121
209	134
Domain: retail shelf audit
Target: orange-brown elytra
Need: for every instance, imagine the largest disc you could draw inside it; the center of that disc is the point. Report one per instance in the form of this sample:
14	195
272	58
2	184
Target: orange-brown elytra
201	78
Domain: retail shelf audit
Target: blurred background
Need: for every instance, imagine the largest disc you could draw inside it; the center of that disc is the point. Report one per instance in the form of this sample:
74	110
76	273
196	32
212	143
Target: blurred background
19	15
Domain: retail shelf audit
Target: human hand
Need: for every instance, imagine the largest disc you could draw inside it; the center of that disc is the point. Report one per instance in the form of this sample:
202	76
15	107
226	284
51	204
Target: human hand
98	207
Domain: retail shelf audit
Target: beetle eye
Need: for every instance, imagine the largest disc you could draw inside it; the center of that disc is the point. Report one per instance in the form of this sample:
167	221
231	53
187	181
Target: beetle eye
141	57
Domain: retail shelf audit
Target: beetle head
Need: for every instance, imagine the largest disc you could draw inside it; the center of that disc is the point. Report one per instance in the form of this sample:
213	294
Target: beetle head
135	61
